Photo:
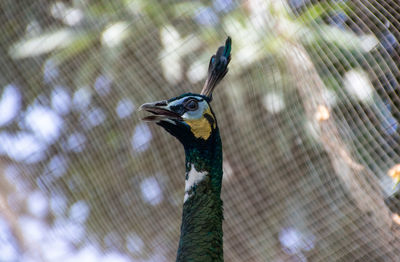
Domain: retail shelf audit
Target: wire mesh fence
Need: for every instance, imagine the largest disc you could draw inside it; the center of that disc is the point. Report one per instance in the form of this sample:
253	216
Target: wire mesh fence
308	116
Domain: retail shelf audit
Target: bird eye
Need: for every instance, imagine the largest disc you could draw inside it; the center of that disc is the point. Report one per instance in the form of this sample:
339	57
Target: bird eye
191	105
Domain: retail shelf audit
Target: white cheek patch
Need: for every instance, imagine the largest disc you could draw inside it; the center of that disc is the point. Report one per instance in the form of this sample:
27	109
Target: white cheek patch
193	178
177	102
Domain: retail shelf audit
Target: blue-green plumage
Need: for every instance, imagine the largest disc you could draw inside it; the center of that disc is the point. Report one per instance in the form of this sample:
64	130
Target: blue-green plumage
190	119
227	47
201	229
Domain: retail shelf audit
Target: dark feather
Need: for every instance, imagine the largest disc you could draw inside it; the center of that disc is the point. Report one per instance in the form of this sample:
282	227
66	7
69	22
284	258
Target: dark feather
217	68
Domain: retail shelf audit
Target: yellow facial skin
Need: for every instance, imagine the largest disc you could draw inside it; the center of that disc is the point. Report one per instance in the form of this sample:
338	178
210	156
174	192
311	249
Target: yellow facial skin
201	128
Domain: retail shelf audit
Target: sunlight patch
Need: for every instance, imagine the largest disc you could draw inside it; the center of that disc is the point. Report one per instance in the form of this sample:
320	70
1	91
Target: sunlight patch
10	104
169	57
151	191
76	142
134	243
79	212
124	108
115	34
44	122
60	100
37	204
273	102
358	85
141	138
22	146
102	85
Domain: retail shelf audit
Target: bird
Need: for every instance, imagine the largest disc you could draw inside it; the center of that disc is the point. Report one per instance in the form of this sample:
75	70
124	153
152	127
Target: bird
190	118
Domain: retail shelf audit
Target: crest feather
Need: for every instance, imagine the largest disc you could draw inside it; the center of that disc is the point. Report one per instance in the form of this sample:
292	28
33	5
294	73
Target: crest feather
217	68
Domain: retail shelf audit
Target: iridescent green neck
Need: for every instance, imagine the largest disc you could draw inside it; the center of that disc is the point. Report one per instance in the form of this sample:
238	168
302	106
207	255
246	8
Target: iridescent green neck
201	229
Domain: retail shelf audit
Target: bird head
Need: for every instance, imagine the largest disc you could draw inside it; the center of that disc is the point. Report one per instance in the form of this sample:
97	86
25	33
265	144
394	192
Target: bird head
189	117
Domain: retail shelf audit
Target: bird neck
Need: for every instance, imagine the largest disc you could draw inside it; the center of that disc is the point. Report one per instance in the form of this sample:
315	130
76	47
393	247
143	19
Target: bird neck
201	229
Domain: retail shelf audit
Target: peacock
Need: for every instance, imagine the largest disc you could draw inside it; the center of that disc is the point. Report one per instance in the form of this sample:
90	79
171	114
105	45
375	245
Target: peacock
191	120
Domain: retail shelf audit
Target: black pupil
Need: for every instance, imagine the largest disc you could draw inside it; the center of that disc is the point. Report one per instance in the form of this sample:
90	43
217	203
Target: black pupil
191	105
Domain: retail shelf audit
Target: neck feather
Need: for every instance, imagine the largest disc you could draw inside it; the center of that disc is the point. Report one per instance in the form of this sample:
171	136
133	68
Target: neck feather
201	229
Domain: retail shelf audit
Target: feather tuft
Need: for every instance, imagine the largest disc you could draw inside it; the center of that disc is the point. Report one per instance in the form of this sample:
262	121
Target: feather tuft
217	68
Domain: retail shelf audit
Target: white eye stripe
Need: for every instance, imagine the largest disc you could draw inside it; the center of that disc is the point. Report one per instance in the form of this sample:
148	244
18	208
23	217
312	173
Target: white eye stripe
198	113
176	102
183	99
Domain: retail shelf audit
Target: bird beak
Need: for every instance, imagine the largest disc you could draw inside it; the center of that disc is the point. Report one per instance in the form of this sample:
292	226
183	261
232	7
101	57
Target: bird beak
160	112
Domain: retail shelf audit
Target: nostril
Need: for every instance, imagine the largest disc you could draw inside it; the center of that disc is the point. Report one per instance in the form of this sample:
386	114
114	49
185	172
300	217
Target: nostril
161	103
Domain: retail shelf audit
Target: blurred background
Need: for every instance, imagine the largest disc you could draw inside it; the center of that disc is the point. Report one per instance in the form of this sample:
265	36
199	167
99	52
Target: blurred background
308	113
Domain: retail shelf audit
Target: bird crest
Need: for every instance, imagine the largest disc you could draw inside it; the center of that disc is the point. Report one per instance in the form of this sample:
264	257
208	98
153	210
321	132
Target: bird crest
217	68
